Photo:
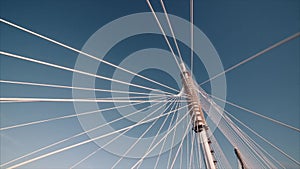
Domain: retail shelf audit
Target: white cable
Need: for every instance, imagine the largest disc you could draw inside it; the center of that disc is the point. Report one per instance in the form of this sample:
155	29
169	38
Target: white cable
78	71
192	33
296	35
180	146
72	87
83	53
139	161
257	114
171	29
265	140
192	151
163	144
84	142
77	135
144	133
164	34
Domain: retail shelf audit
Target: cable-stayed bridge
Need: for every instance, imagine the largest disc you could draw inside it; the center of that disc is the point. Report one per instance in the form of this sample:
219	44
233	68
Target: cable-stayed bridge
127	115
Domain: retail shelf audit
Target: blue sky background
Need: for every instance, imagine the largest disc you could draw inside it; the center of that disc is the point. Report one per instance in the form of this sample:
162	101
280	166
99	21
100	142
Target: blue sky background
238	29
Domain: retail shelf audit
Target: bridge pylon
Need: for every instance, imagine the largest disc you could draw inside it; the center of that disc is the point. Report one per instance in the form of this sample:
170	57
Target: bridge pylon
197	117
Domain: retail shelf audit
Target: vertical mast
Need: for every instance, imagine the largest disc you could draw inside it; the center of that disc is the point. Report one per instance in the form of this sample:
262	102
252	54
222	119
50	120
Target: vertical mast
196	113
238	155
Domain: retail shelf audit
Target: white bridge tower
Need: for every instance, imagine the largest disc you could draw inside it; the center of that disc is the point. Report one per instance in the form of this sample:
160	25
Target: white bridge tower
197	117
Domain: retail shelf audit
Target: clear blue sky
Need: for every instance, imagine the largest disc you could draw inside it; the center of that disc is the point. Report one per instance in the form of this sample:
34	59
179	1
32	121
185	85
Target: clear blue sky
238	29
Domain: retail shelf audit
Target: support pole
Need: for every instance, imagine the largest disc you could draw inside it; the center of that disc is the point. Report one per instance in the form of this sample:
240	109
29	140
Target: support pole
239	157
199	123
208	156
